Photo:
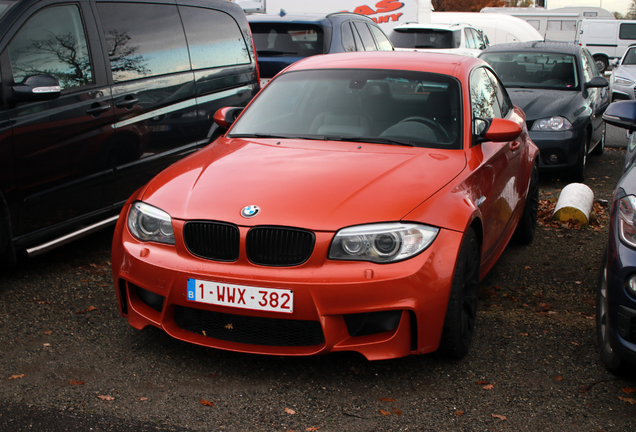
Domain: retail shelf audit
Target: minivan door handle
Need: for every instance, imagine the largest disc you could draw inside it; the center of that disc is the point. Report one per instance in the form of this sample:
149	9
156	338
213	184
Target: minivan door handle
97	108
128	102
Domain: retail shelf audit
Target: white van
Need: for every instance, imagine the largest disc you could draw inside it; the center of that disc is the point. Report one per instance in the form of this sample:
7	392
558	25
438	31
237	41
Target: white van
607	39
499	28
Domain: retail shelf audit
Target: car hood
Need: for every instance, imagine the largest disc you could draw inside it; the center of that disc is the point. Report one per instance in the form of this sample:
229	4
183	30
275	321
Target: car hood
307	184
542	103
628	72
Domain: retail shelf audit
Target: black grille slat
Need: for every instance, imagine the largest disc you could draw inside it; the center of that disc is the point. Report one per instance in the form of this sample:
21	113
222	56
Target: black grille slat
212	240
248	329
279	246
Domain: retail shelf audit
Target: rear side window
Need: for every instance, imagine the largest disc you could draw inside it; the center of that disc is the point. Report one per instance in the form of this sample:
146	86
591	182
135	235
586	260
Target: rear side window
381	39
52	42
214	38
365	35
627	31
347	37
143	40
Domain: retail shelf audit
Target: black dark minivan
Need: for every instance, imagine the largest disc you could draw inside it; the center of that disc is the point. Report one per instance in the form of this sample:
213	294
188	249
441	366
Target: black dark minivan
98	96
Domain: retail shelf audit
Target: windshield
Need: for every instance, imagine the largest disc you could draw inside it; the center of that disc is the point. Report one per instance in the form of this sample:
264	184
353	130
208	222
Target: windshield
380	106
535	70
630	57
425	38
284	39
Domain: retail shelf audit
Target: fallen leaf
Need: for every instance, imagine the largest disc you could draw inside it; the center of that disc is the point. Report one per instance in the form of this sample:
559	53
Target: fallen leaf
628	400
143	399
206	403
312	429
488	387
73	382
46	345
574	343
91	309
522	334
500	417
396	411
558	378
386	413
459	413
628	390
482	382
48	332
106	398
383	399
527	267
290	411
17	376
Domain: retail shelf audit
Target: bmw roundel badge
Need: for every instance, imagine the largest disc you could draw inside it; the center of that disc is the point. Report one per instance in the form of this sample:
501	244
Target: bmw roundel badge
250	211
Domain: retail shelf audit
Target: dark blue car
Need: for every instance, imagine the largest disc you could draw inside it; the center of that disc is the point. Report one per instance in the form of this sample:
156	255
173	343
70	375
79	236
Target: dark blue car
283	40
616	293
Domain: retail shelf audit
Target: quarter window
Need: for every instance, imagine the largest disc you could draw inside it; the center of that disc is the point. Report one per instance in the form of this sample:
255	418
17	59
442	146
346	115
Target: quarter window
381	39
347	37
143	40
365	34
53	42
214	38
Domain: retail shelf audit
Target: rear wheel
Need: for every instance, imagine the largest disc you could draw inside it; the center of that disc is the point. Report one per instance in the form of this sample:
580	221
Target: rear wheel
528	222
601	63
611	361
461	313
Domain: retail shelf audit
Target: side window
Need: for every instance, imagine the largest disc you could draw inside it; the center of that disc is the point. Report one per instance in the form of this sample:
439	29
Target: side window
483	95
365	35
505	104
347	37
627	31
214	38
381	39
143	39
53	42
470	42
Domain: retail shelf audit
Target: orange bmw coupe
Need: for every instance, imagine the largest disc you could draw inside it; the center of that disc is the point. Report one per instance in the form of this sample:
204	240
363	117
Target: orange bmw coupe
354	205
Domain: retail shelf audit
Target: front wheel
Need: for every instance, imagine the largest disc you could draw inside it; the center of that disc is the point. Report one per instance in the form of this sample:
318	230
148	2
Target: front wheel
602	64
578	171
524	233
612	362
461	313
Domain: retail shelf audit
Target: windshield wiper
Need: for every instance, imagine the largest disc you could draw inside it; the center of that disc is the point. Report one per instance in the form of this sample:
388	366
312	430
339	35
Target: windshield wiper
371	140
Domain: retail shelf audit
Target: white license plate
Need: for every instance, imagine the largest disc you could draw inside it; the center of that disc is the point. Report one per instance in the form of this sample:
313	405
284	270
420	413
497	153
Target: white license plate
240	296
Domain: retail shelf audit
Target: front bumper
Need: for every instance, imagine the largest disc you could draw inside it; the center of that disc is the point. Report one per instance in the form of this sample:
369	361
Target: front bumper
558	150
381	311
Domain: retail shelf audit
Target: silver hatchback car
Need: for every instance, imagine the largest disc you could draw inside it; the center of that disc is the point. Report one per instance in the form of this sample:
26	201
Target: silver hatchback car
623	79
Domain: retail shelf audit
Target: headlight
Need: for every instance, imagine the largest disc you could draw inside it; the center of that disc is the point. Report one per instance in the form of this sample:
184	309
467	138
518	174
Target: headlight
381	243
626	215
556	123
622	81
148	223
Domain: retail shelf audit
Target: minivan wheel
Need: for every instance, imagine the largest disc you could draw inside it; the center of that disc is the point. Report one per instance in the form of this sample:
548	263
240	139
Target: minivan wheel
461	313
601	63
611	361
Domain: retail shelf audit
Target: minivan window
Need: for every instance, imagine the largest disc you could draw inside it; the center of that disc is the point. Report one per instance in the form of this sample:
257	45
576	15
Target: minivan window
143	39
627	31
214	38
53	42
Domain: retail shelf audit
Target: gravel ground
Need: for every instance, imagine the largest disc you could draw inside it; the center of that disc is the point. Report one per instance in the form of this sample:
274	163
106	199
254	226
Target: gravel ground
70	363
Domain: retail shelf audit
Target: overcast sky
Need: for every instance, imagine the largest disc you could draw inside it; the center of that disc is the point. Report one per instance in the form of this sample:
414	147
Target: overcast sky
611	5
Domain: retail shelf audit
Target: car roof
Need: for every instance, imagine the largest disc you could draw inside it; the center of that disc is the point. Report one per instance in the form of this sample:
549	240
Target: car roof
447	64
304	18
539	46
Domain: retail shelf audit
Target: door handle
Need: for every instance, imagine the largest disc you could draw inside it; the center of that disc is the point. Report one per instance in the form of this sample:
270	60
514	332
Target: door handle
97	108
515	145
128	102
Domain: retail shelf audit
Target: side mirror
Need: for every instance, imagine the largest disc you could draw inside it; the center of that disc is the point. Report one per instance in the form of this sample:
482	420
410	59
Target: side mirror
224	117
597	81
497	130
621	114
36	88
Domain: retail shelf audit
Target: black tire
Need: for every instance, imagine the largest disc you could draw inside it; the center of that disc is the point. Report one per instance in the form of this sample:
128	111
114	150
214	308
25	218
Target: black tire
600	147
612	362
461	313
524	233
578	171
602	64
